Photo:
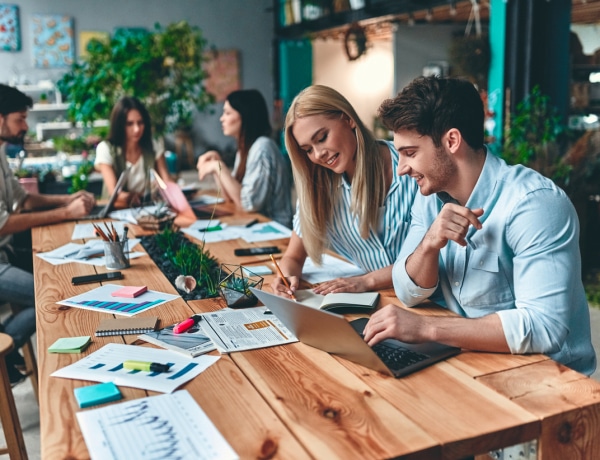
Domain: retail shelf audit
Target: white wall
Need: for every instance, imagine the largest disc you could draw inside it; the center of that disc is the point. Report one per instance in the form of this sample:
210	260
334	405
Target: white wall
245	25
365	82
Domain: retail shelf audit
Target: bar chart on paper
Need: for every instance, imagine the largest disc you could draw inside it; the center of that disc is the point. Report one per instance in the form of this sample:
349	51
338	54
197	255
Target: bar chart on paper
101	299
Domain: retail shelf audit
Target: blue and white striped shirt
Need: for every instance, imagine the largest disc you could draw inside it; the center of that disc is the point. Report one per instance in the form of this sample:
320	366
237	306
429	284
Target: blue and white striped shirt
381	248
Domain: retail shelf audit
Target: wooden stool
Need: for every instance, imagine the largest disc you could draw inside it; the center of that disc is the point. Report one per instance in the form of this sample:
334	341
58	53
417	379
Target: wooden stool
8	411
31	369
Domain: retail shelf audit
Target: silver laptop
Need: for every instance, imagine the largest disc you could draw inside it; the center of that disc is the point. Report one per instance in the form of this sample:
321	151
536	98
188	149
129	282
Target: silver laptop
332	333
100	212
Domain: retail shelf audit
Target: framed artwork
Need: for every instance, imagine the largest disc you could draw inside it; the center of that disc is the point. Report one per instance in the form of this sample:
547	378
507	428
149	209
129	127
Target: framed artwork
223	68
52	41
10	31
86	35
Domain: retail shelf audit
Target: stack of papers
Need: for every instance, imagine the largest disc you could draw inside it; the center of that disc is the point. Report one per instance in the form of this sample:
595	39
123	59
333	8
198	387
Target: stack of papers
90	253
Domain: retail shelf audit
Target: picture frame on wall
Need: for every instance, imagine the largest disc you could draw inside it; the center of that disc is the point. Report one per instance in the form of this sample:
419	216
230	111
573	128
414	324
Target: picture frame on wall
10	28
86	35
53	44
223	68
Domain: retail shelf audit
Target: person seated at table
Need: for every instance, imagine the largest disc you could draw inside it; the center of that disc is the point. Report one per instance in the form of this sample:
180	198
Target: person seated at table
129	144
496	244
260	180
349	199
19	212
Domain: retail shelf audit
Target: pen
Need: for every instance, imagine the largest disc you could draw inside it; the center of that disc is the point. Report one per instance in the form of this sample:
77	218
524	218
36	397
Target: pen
251	223
282	277
212	229
146	366
186	324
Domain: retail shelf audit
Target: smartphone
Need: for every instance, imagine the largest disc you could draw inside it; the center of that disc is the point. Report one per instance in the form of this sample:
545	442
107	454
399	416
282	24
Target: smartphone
98	277
256	251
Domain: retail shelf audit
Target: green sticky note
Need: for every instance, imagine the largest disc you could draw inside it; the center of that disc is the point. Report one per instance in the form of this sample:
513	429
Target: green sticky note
97	394
70	344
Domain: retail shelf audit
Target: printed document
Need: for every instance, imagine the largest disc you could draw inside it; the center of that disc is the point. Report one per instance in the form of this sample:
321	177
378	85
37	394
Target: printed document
156	427
246	329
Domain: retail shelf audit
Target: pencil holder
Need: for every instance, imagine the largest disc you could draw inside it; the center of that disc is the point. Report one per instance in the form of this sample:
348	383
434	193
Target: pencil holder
235	283
116	255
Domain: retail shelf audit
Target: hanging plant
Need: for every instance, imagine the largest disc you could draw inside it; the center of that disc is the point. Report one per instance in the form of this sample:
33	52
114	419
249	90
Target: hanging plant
470	56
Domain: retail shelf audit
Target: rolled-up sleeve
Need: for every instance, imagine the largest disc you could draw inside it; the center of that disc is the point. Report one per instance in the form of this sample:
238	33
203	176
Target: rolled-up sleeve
546	259
255	185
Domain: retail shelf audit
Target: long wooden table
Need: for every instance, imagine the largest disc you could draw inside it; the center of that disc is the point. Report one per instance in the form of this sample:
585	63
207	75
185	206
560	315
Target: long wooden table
296	402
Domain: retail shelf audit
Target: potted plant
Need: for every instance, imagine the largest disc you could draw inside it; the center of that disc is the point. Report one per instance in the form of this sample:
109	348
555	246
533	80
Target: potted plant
235	283
162	68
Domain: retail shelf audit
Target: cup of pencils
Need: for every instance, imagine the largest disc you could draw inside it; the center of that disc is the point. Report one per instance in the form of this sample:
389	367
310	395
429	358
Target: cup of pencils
116	253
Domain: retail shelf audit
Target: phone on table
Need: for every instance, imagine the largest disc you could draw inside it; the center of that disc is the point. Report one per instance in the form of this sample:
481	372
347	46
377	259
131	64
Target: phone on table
97	277
256	251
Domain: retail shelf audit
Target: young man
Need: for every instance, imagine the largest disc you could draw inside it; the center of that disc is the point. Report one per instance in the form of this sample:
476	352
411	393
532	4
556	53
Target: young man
496	244
16	285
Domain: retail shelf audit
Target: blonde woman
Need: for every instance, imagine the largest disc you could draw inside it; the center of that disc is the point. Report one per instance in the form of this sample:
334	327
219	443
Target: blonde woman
349	198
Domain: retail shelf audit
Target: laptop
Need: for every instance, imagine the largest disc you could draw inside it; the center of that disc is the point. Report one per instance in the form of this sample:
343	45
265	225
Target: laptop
176	200
99	211
332	333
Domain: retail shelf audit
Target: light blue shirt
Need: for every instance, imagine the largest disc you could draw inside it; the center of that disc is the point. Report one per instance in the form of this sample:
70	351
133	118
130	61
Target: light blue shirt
382	247
524	264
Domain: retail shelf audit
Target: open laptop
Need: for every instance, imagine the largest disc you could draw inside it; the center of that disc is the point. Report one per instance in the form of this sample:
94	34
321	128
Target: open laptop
99	211
176	199
332	333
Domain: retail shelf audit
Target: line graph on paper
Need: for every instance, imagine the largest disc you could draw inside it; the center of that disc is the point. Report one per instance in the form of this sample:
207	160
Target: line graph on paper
158	427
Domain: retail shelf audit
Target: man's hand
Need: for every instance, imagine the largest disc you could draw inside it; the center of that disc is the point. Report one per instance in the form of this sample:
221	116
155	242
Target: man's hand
393	322
451	224
80	206
279	288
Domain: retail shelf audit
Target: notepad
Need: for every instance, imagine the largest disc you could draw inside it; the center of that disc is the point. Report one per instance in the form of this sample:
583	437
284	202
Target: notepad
70	344
97	394
124	326
129	291
339	302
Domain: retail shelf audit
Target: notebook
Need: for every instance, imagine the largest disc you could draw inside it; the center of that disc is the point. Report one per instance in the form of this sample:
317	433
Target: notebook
339	302
332	333
100	212
124	326
193	342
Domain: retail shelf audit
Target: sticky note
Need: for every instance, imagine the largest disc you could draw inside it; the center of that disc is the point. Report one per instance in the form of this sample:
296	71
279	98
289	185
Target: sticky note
70	344
129	291
97	394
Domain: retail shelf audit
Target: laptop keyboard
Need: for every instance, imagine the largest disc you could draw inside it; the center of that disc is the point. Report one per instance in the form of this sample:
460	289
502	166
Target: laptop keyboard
397	358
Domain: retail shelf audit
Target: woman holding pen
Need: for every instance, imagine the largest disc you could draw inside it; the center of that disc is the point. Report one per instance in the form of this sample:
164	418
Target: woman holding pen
260	180
349	198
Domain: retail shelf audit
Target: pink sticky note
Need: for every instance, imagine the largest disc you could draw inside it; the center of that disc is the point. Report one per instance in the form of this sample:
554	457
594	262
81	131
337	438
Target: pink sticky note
129	291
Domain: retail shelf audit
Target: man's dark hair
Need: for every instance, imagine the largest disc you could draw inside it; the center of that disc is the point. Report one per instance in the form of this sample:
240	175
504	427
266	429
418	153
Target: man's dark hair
13	100
433	105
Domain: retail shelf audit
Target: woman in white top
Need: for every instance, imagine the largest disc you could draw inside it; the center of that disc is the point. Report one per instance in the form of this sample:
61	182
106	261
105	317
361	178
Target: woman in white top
261	177
129	144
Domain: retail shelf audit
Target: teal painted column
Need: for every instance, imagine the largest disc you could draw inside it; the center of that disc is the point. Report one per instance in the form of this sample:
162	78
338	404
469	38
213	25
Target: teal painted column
495	123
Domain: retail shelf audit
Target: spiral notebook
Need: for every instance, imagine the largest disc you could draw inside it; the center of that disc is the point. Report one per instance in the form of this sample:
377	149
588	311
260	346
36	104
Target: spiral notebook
124	326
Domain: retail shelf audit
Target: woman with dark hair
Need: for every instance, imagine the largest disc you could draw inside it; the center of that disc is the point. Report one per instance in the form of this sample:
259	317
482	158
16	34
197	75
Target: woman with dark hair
261	179
129	144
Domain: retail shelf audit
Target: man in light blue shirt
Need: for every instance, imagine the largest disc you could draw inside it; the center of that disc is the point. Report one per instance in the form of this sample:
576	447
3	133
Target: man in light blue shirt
496	244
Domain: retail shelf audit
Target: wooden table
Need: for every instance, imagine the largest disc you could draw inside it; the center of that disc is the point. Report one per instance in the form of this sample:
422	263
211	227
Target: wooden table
296	402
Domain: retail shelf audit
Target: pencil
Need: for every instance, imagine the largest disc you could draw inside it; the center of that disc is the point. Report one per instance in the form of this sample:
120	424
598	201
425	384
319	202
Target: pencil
101	234
282	277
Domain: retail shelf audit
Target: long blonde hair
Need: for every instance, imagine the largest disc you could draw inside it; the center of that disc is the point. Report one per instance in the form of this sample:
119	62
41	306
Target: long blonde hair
317	187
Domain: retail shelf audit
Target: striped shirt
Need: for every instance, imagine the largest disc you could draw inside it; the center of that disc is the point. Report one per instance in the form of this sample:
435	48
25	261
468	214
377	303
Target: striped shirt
382	247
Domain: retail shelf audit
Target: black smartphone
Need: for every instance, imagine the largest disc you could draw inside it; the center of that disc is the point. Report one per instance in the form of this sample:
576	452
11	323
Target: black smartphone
98	277
256	251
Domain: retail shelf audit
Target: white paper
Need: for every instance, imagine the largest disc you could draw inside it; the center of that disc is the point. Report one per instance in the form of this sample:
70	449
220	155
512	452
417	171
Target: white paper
246	329
332	268
106	365
205	199
130	214
153	428
101	299
70	252
264	231
226	233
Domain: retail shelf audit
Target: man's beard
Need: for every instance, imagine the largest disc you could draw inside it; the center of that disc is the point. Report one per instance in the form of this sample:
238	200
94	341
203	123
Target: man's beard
19	139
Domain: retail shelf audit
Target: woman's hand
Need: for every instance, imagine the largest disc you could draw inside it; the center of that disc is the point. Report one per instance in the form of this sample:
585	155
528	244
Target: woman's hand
280	289
209	163
353	284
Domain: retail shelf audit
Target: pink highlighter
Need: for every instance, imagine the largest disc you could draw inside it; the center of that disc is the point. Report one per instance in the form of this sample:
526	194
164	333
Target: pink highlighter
186	324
